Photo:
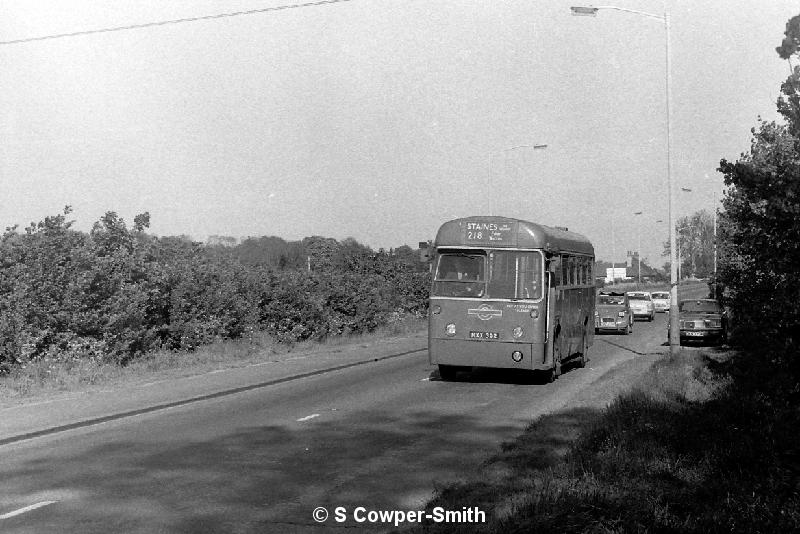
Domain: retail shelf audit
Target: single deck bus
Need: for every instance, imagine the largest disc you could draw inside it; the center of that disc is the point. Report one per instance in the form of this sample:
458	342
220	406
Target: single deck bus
509	293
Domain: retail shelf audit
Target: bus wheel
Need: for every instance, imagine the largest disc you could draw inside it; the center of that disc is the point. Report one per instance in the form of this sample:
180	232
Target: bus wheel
448	372
555	372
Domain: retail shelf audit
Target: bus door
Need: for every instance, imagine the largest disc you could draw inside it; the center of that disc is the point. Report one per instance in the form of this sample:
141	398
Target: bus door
555	308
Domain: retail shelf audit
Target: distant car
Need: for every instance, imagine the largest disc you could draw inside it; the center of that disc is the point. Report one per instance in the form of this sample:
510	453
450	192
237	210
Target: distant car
702	320
660	301
642	305
613	313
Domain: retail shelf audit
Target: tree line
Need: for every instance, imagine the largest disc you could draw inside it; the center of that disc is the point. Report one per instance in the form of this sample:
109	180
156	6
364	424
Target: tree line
115	293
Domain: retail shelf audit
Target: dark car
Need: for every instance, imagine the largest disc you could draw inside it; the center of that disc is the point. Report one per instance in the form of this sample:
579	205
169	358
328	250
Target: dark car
702	320
612	313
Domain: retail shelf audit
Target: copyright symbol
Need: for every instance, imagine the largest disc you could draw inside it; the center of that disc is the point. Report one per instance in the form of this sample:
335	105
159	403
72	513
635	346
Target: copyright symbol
320	514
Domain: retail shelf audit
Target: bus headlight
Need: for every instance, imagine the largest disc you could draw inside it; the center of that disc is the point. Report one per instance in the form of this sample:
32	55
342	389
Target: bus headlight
516	356
517	332
622	314
535	313
596	313
437	310
450	329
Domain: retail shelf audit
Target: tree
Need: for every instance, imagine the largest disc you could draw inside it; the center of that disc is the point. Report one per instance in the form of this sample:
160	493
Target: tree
759	230
789	100
695	241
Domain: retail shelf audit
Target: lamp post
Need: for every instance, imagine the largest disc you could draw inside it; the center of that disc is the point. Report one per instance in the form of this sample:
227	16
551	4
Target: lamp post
613	254
674	332
491	168
639	251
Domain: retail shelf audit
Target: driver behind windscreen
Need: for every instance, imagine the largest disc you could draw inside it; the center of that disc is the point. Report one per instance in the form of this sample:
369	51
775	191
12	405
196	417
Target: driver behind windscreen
463	269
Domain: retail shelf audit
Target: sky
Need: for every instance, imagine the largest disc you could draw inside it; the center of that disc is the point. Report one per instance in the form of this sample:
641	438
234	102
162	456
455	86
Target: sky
380	119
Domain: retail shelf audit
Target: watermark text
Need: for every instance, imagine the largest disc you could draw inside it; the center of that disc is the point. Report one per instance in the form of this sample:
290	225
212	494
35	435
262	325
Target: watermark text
361	514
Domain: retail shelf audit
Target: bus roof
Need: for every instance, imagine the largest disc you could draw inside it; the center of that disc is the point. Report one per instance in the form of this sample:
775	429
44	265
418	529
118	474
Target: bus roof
487	231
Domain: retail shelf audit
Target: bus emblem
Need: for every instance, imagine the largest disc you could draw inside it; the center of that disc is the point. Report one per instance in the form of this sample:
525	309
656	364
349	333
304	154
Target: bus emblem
485	312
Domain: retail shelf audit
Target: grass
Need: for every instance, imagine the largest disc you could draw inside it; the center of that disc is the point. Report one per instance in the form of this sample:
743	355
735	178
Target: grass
48	377
699	445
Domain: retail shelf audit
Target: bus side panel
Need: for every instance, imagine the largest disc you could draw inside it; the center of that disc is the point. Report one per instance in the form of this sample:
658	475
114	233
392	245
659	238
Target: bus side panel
573	314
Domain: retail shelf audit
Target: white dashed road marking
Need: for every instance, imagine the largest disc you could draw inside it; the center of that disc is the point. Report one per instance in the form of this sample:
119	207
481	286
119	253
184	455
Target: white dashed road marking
306	418
26	509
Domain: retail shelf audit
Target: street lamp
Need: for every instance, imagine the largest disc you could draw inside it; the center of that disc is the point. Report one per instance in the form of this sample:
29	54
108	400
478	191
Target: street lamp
639	249
674	332
491	168
613	253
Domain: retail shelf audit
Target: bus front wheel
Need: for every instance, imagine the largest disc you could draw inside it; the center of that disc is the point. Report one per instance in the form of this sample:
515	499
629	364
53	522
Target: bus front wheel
555	371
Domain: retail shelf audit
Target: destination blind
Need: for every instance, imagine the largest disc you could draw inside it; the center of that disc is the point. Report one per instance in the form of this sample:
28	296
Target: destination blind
490	233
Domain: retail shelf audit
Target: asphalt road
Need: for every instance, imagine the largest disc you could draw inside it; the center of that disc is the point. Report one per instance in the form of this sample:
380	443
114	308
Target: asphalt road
379	436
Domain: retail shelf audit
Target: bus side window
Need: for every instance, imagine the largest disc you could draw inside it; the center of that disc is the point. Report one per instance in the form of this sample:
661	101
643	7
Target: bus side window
578	271
570	263
555	268
583	271
564	270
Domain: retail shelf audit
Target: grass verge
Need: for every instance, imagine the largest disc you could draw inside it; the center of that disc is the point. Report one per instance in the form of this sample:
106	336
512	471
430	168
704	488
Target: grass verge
47	377
702	444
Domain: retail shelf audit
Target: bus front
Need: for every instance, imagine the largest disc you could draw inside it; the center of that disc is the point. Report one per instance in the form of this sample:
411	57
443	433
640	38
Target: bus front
488	305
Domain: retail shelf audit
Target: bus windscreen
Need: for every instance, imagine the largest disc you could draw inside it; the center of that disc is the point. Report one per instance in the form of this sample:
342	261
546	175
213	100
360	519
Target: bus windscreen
501	274
460	275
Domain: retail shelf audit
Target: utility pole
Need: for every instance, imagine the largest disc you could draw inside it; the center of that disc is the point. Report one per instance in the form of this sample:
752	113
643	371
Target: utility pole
639	251
613	254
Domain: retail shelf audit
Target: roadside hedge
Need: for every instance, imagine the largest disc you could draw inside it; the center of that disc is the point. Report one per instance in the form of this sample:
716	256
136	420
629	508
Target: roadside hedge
115	292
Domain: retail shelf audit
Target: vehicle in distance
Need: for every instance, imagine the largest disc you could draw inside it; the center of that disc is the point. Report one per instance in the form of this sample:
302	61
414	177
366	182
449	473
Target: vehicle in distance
660	301
702	320
642	305
612	313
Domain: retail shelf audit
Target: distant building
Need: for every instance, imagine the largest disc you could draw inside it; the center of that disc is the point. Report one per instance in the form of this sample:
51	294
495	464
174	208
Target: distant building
631	258
616	273
224	240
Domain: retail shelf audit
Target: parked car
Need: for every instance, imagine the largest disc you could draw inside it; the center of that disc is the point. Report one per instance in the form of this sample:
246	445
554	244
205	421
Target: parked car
642	305
660	301
702	320
612	313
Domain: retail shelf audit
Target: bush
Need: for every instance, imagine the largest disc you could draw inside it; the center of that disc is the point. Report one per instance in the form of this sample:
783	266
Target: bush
118	293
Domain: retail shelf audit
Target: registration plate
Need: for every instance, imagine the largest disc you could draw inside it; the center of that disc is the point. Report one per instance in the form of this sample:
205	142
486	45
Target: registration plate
484	335
693	334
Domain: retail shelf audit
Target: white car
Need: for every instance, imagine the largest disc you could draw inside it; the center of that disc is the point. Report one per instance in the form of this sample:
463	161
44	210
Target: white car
660	301
642	305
